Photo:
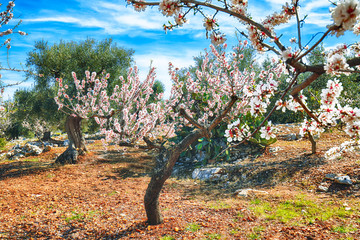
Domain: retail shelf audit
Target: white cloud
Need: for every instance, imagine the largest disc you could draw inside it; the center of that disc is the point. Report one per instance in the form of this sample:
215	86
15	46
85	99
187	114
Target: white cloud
315	5
181	58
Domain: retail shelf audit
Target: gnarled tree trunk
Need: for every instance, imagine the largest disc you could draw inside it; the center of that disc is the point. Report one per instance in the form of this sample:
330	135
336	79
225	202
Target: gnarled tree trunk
76	141
165	162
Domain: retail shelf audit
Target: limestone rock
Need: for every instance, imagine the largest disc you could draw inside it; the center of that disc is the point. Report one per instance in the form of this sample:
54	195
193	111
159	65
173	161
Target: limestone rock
343	179
248	192
207	173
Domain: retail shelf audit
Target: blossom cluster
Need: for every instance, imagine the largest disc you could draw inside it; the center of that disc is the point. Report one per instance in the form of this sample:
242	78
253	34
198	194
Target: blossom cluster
39	126
336	62
5	17
331	112
346	15
205	94
257	36
138	6
237	131
170	7
125	115
338	151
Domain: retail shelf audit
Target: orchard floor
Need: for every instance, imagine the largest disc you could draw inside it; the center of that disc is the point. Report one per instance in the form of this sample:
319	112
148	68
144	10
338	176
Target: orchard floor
102	198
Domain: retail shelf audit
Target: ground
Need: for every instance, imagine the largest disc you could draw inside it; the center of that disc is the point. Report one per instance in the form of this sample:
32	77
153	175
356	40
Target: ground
102	197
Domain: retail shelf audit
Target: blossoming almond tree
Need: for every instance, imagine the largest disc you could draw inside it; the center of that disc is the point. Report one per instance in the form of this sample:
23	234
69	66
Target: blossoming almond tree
264	37
222	90
227	91
124	115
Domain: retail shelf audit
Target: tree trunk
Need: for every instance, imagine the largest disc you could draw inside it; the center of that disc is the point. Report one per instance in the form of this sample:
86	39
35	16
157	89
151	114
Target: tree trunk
313	143
46	136
165	162
76	142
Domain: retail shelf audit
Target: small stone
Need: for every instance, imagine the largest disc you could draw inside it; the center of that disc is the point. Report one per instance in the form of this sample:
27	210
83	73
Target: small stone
322	188
207	173
249	191
242	192
274	149
343	179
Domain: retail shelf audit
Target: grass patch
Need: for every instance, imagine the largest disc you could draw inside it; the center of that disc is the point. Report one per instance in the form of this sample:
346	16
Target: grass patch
80	216
298	211
193	227
167	238
344	229
219	205
113	193
75	217
256	232
212	236
31	159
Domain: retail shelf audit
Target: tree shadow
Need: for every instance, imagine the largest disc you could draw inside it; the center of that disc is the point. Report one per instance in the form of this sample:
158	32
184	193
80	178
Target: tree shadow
132	164
15	169
257	175
73	230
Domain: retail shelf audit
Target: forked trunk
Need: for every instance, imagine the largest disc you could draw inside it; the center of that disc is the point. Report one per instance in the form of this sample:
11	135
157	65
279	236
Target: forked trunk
165	162
76	141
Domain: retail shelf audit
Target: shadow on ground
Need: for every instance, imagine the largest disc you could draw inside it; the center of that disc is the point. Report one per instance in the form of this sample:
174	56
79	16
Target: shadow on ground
131	164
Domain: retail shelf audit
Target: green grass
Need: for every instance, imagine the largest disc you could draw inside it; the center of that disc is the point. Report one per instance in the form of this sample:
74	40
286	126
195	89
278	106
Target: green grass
167	238
298	211
192	227
344	229
112	193
256	232
81	216
31	159
75	217
219	205
212	236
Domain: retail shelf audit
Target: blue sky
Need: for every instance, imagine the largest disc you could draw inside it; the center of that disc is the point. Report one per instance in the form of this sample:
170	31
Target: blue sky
55	20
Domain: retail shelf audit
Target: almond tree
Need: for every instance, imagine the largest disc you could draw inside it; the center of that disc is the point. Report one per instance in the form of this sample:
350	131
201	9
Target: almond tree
227	90
264	37
223	90
51	63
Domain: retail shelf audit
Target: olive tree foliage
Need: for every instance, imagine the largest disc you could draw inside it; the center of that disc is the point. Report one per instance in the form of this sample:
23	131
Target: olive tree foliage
52	62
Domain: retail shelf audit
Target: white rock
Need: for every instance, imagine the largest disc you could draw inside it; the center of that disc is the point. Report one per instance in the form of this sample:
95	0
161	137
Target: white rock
343	179
206	173
322	188
249	191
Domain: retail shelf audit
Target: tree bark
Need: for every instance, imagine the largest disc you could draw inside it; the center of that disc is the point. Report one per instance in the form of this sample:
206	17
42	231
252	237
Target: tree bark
313	143
167	158
76	142
46	136
165	162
